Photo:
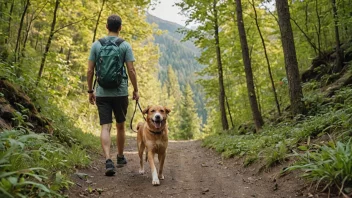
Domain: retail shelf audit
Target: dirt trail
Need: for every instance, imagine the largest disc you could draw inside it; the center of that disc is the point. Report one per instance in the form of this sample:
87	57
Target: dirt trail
190	171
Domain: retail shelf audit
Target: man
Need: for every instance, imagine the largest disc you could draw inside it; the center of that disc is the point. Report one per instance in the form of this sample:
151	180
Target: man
110	100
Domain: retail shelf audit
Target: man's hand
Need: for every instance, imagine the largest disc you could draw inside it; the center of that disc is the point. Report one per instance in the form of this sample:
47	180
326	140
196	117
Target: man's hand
92	98
135	95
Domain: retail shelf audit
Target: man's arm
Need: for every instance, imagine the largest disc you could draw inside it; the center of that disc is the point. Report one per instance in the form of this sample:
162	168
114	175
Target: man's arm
90	75
133	79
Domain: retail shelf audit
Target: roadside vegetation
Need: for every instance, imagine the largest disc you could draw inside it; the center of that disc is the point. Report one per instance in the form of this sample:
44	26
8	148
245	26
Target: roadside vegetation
278	82
48	128
38	164
319	143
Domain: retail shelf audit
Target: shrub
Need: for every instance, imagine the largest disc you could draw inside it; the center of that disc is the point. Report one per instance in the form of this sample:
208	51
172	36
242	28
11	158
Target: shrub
330	166
35	164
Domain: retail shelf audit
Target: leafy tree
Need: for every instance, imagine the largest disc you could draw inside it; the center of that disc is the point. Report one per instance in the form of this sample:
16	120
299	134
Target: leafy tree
208	14
48	44
266	58
258	120
291	64
173	88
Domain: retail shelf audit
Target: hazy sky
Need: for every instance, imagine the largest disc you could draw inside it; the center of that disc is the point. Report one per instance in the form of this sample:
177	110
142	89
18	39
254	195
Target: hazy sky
165	10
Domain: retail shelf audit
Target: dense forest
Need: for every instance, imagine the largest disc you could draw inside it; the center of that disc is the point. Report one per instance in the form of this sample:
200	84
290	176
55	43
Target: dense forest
265	81
274	72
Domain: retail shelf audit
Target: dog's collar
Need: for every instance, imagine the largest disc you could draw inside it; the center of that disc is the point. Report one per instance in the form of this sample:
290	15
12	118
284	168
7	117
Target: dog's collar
156	132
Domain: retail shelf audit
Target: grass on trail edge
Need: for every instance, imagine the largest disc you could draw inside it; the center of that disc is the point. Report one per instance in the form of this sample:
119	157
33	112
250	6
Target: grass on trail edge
40	165
327	126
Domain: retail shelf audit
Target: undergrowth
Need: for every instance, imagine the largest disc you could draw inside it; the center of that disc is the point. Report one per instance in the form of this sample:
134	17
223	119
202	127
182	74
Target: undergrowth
39	165
36	164
328	120
328	165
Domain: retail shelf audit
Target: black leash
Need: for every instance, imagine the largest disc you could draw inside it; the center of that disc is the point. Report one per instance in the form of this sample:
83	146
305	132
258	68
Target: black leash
135	109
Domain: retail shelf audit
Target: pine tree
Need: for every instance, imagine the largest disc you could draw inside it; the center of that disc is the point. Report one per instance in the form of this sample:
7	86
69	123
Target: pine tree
172	84
190	123
171	95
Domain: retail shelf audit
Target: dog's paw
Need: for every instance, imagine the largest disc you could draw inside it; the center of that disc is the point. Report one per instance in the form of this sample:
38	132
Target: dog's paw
156	182
161	177
141	171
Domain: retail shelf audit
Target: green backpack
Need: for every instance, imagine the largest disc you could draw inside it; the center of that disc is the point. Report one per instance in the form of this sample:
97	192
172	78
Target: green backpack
109	68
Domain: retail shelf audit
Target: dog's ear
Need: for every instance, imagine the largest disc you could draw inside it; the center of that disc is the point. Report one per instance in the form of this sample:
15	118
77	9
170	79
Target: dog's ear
145	111
168	110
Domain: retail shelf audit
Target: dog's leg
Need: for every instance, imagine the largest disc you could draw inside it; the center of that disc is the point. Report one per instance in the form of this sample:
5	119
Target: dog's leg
161	158
141	148
155	180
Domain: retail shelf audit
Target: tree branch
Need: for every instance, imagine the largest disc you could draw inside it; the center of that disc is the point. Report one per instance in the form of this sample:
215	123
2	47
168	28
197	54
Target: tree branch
272	14
37	14
67	25
305	35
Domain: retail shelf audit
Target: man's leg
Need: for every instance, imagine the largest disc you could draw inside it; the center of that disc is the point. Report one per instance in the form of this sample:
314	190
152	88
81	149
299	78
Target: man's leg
105	116
105	144
120	141
120	111
105	139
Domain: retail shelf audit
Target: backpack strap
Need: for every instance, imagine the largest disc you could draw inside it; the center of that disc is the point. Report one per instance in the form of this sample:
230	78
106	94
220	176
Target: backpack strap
119	41
102	41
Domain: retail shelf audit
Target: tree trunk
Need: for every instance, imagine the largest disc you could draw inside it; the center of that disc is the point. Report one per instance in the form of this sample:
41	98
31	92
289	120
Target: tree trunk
10	19
267	60
225	125
29	25
19	33
3	8
47	47
291	64
228	109
318	28
257	117
37	39
26	37
306	16
97	22
339	53
68	57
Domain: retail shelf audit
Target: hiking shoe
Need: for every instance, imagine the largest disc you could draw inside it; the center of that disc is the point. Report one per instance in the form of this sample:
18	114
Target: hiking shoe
110	168
121	161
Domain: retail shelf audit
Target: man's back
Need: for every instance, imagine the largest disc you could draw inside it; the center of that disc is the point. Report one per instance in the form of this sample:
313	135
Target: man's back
125	56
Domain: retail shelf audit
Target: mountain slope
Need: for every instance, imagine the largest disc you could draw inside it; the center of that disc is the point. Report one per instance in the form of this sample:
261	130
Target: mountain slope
181	56
172	29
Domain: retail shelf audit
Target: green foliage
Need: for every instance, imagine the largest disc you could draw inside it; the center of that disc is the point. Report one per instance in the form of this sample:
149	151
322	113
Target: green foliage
189	123
327	165
276	141
36	164
275	154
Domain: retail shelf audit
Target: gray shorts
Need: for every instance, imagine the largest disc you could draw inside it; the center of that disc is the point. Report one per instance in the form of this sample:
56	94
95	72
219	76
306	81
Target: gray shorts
107	105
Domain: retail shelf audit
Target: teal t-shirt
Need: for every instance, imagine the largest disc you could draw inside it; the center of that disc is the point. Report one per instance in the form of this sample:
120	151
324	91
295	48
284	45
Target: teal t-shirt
126	49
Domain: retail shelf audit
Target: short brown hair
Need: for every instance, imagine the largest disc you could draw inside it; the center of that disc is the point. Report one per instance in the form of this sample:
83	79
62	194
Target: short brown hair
114	23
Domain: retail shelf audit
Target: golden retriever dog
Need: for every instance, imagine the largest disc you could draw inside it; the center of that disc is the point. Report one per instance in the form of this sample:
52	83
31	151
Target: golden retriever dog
152	135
